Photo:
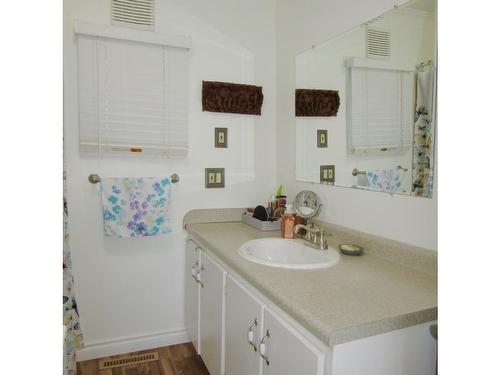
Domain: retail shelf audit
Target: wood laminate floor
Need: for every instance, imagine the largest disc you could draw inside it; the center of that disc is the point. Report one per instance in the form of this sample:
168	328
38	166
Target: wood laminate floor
179	359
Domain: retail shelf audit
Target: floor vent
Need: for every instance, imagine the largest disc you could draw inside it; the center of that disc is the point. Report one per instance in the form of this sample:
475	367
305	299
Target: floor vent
134	13
378	43
127	361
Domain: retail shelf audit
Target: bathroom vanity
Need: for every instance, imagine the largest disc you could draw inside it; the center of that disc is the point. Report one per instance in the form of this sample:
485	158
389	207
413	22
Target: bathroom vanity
365	315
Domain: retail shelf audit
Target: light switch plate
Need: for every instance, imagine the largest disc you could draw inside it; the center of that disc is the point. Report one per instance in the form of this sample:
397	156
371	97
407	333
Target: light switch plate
322	138
214	178
220	137
327	174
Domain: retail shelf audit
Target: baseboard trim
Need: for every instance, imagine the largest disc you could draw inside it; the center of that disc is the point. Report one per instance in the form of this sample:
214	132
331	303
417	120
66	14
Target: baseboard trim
132	344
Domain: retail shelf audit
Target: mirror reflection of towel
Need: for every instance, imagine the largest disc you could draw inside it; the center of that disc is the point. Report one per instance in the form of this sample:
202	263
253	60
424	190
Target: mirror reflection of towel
388	180
423	136
135	207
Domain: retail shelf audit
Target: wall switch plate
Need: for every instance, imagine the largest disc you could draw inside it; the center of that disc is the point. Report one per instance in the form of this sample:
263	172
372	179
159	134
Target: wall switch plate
327	174
322	138
220	137
214	178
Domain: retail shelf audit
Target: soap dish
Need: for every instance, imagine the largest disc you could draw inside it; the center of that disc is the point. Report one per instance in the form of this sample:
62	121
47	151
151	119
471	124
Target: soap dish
349	249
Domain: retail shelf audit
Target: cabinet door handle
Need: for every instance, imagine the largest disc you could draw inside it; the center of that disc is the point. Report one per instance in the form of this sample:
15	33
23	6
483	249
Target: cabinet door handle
251	335
262	348
198	277
195	270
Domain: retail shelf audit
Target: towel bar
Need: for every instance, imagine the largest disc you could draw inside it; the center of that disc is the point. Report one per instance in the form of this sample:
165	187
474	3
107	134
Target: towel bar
94	178
355	172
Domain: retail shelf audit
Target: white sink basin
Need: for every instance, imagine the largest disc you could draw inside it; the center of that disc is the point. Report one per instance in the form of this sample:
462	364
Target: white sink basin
278	252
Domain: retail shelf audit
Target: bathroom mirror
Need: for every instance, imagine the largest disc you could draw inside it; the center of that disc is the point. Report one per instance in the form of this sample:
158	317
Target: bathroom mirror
365	105
306	204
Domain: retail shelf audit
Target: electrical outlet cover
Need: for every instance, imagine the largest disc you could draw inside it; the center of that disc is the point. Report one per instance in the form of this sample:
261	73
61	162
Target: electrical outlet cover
322	138
214	178
220	137
327	174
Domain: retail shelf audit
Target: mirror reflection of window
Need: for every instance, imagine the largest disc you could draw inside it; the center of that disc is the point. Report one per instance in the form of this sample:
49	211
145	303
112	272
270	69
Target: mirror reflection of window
384	71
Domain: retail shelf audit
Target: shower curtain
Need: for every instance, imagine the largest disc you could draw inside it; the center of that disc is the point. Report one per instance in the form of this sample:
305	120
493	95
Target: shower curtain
73	338
423	134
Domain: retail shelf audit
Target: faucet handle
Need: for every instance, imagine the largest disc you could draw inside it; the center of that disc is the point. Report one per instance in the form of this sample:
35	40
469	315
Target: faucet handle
314	238
307	236
323	245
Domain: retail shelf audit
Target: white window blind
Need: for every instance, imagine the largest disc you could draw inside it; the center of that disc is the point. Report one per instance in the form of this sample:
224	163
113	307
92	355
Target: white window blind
133	98
380	110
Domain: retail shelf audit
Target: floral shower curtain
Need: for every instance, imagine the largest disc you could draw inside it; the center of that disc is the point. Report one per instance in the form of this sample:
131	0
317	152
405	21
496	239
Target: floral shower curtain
423	135
73	338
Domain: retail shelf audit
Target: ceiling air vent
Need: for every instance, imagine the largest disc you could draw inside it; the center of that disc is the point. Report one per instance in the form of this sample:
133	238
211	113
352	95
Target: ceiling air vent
378	43
133	13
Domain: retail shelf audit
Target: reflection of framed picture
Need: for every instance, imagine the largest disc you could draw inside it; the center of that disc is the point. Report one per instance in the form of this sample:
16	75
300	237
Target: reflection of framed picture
322	138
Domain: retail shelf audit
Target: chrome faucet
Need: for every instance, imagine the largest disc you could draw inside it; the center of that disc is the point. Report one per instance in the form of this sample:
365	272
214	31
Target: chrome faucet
315	237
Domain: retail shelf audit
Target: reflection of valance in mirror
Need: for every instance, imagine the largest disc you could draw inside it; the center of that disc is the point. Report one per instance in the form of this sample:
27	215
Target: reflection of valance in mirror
310	102
232	98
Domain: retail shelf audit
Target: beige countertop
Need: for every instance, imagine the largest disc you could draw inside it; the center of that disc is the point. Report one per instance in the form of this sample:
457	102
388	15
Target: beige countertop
359	297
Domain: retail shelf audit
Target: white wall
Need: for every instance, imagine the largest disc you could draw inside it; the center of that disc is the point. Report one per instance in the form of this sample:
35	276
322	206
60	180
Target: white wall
129	288
408	219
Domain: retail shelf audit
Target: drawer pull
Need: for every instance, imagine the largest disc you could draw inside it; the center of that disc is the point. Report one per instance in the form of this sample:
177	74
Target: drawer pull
194	271
262	348
198	278
251	335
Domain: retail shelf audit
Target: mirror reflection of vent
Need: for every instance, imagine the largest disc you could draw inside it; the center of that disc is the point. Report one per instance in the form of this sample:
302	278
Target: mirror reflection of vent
378	43
133	13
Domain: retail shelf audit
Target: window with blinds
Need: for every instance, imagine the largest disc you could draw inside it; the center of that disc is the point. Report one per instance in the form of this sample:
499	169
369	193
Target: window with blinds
380	109
133	98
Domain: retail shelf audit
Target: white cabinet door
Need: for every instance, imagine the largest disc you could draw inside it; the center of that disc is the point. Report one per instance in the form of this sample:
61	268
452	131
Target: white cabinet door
408	351
243	330
191	293
211	315
286	351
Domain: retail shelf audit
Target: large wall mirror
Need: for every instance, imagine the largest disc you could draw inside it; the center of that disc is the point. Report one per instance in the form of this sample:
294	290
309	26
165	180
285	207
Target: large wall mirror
365	105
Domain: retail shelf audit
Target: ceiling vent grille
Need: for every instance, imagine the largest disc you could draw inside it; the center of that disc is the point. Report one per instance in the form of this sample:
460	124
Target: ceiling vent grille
378	43
133	13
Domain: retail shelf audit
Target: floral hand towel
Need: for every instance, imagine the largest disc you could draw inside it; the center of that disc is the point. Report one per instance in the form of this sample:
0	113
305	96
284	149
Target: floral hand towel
388	180
135	207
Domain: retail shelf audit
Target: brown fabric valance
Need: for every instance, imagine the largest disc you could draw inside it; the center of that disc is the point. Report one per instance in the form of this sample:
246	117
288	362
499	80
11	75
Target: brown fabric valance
231	98
309	102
